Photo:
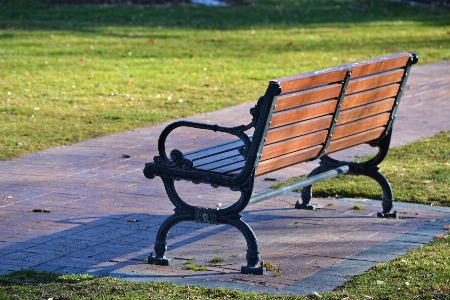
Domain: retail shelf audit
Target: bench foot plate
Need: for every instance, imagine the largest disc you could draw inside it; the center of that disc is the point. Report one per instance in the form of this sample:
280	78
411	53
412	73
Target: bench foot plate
159	261
299	205
388	215
253	270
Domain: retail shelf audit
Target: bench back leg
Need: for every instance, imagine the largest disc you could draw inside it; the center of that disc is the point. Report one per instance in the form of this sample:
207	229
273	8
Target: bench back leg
368	168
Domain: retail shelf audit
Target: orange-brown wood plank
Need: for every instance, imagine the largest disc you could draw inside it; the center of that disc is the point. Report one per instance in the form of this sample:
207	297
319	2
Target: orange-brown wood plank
294	144
308	96
381	64
354	140
373	81
337	74
311	79
302	113
269	165
293	130
370	96
365	111
360	126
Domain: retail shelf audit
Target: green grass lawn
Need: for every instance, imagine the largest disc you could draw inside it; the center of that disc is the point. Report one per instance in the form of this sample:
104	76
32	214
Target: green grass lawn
70	73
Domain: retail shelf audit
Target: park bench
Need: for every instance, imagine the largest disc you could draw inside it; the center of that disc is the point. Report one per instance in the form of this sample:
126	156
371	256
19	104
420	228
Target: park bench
299	118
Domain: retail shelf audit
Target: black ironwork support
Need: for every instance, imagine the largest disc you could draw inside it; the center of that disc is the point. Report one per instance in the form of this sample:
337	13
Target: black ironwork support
160	244
368	168
229	215
336	112
252	248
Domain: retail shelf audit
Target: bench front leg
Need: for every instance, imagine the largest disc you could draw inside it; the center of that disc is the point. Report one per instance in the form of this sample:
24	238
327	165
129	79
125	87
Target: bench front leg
229	215
252	256
160	244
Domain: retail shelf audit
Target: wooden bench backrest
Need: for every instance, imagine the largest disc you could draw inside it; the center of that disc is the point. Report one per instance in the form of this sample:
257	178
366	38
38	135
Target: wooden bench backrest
321	112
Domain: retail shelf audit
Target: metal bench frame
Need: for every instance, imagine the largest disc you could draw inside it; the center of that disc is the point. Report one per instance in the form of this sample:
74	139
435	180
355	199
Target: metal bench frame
178	167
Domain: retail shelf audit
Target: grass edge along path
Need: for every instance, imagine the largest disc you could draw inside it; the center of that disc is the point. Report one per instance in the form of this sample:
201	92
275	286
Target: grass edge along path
420	274
419	172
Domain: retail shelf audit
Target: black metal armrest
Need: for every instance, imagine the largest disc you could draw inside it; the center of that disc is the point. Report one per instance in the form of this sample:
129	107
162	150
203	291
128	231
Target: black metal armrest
237	131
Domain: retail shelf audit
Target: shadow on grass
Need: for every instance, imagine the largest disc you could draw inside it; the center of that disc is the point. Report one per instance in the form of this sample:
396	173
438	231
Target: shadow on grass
35	15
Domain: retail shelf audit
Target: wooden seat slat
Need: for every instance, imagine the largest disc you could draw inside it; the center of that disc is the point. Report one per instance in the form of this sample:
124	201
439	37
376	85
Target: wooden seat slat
361	125
377	94
215	157
304	112
373	81
221	163
205	152
356	139
307	97
269	165
296	129
291	145
362	112
230	169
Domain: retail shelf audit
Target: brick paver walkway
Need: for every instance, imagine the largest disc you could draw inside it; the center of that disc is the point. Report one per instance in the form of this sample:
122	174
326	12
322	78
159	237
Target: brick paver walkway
88	208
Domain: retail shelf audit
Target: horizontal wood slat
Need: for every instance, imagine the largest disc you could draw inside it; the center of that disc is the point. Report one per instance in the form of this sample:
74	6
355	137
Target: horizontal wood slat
380	64
205	152
361	125
233	168
303	113
370	96
337	74
293	158
215	157
294	144
293	130
222	163
307	97
370	82
356	139
311	79
365	111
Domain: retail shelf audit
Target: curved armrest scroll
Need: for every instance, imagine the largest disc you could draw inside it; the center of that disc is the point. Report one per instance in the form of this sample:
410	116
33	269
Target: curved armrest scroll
177	155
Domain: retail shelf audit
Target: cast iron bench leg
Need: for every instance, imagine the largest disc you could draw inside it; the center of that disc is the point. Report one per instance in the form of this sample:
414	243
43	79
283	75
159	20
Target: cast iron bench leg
229	215
368	168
